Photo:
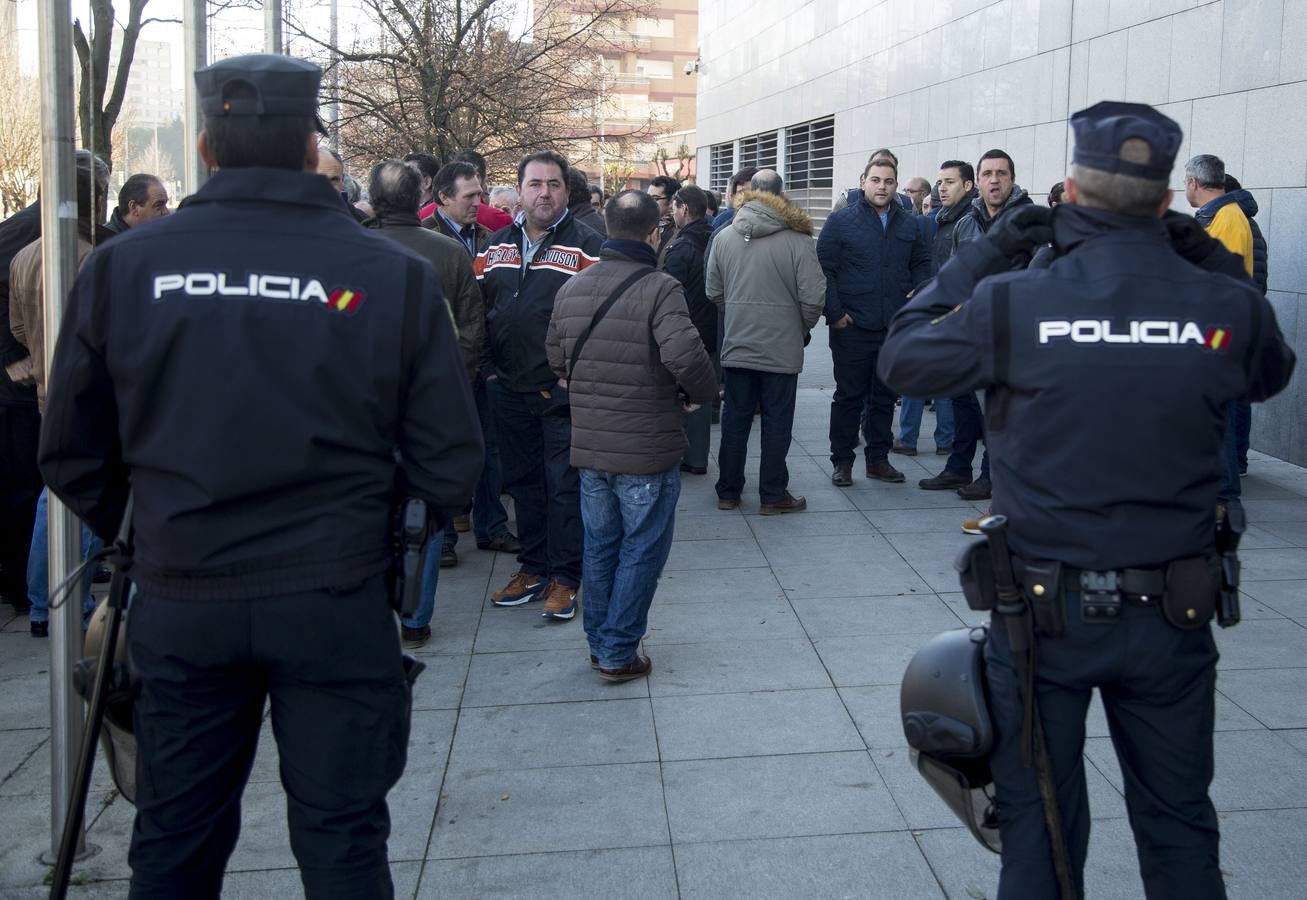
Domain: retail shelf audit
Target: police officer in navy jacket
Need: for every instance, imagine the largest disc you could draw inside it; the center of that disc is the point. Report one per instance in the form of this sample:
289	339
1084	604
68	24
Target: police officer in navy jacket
1107	377
260	373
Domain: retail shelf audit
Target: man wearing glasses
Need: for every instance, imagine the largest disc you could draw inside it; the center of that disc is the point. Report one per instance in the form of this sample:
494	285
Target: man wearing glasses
662	189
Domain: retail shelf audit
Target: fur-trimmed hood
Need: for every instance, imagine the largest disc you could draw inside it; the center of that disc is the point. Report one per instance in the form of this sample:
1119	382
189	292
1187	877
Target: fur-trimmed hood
759	213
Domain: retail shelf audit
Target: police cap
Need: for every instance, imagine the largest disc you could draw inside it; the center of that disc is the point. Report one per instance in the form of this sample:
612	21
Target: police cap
275	86
1103	129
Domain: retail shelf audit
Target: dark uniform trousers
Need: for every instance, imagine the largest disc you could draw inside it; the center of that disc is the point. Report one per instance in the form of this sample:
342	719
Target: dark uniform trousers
535	447
1158	687
854	352
329	662
968	429
20	486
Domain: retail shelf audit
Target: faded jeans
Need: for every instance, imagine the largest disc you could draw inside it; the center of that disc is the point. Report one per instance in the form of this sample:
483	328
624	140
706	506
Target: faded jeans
628	522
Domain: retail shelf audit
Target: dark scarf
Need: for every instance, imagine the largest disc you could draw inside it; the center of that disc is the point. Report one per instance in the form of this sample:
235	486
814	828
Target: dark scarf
637	251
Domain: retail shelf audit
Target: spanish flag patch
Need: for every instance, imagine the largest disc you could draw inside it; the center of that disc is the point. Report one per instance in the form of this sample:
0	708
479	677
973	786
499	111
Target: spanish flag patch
344	300
1217	338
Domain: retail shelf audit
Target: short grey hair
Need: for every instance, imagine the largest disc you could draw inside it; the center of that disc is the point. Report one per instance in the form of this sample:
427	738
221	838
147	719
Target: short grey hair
502	190
394	187
1207	170
768	181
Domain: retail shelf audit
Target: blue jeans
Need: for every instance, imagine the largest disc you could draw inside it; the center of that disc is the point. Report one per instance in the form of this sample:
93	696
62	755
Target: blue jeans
430	579
775	393
38	563
629	520
535	446
489	518
910	422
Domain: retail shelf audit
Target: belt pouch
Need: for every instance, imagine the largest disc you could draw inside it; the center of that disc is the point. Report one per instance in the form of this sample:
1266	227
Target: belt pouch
1042	581
1192	587
976	574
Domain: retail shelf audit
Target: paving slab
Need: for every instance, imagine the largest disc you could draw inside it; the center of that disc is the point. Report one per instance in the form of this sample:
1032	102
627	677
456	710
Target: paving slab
776	796
873	615
538	810
753	724
1288	598
1276	698
713	585
853	661
743	618
735	666
645	872
540	676
1261	644
847	867
545	735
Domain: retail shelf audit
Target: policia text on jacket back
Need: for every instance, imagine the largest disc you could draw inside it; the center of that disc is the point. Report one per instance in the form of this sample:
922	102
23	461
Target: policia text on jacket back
254	365
1107	376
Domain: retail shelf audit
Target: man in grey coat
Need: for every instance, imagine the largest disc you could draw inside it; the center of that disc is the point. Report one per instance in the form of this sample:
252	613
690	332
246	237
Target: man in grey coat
633	366
763	271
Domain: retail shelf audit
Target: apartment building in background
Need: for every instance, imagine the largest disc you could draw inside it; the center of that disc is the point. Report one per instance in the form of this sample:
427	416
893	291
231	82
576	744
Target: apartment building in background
645	102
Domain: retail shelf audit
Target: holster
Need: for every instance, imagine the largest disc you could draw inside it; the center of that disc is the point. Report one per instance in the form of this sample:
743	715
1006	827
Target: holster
975	568
411	532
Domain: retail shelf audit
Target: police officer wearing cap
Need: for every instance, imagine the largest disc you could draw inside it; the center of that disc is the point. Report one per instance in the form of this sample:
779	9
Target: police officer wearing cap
260	372
1106	378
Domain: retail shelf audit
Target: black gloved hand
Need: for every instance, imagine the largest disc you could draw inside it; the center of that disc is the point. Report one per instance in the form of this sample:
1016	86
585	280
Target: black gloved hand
1020	231
1188	238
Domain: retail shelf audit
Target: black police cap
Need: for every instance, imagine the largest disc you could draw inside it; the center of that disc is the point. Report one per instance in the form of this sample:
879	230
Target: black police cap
277	86
1103	128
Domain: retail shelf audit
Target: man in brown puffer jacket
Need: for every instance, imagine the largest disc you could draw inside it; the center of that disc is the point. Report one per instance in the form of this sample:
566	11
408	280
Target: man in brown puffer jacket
631	373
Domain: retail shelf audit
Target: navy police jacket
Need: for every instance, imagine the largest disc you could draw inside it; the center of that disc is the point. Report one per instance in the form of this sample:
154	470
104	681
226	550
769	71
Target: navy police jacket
520	299
870	269
253	366
1107	377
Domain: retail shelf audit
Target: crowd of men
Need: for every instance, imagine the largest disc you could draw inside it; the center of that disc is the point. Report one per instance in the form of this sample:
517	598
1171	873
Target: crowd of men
754	283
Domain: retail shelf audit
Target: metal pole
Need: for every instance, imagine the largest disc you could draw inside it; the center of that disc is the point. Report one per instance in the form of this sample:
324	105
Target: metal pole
195	28
333	110
58	270
272	27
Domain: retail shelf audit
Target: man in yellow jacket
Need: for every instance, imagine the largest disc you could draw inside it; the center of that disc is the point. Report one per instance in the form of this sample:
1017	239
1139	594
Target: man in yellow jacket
1204	188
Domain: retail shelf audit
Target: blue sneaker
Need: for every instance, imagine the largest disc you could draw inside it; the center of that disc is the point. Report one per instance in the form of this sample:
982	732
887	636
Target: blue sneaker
521	588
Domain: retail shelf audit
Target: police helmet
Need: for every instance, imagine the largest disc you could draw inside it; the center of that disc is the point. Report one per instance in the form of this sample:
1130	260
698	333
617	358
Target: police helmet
117	737
947	725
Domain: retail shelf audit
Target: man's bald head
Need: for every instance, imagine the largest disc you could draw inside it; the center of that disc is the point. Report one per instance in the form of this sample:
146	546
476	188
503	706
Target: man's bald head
631	216
768	181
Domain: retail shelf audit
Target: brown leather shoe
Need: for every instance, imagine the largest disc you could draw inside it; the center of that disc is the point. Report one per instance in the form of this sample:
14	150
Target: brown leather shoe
728	503
462	523
636	668
842	476
883	471
903	449
787	504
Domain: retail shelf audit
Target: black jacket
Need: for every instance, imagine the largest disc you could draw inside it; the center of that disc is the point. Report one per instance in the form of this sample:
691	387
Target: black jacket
252	365
945	222
588	216
520	298
1120	336
870	269
684	261
16	232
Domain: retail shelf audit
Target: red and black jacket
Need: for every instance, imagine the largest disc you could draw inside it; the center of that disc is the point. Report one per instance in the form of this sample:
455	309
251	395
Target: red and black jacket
520	299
